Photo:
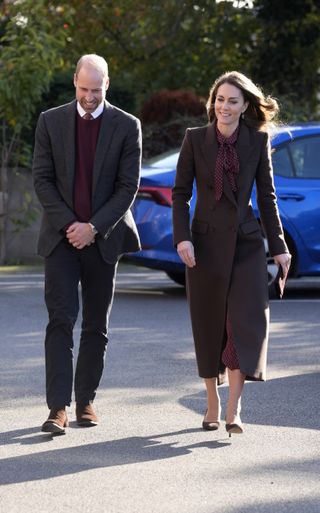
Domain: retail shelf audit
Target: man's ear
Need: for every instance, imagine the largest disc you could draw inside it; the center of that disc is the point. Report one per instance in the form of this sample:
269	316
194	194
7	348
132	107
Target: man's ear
75	80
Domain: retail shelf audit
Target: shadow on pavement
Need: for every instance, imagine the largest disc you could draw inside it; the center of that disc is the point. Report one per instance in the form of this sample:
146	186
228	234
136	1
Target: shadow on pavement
284	506
292	401
71	460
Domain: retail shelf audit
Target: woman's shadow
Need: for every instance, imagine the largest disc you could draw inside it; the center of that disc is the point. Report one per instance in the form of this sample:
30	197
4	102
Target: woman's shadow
292	401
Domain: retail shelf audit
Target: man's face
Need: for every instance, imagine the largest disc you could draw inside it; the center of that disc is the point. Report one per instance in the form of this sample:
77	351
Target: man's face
91	88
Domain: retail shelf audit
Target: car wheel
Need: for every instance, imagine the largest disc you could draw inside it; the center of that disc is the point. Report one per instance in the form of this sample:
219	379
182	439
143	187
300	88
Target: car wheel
179	278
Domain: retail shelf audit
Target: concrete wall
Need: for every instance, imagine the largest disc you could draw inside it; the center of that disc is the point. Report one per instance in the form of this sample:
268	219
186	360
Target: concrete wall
21	242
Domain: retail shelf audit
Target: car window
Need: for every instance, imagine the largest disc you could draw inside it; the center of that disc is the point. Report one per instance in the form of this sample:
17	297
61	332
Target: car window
281	162
305	154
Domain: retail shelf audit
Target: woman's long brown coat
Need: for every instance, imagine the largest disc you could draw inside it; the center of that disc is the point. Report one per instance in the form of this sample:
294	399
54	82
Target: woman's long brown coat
230	273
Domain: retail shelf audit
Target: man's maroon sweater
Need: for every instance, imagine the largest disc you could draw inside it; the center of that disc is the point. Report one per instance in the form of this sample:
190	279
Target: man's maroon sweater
87	132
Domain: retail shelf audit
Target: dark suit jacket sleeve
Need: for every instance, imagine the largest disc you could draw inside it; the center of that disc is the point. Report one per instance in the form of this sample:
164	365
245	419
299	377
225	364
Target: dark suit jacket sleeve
126	184
182	192
45	179
267	202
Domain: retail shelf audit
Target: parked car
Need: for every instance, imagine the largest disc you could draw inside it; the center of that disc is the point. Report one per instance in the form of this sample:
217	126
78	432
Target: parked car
296	162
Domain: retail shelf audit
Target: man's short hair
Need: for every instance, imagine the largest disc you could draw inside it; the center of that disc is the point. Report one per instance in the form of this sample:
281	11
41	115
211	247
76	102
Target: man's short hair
93	61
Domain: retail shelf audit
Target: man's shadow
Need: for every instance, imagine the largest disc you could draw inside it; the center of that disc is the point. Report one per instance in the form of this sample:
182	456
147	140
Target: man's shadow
290	401
70	460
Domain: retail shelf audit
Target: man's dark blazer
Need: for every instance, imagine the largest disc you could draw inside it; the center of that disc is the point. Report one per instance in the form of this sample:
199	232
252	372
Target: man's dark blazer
115	178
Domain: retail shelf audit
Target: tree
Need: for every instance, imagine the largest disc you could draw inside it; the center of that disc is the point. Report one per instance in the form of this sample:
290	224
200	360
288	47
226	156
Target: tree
151	45
33	35
286	57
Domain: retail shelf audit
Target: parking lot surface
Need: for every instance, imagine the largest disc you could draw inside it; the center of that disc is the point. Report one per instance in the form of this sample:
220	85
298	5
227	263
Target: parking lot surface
149	453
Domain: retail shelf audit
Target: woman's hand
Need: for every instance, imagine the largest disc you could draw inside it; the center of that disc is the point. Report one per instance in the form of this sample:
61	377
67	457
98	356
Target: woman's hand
284	260
186	253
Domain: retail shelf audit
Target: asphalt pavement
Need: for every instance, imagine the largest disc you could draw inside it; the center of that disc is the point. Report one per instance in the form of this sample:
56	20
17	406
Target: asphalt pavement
149	453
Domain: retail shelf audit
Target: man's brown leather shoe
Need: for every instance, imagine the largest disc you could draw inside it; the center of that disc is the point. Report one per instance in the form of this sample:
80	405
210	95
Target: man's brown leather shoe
56	422
86	416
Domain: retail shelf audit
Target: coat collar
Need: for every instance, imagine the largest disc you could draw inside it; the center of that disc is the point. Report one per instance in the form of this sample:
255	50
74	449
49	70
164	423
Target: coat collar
244	147
210	146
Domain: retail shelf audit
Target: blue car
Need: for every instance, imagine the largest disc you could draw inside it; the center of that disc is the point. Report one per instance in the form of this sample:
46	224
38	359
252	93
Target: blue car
296	163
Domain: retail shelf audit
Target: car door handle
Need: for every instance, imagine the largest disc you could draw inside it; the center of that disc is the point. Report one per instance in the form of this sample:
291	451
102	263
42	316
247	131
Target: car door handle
293	196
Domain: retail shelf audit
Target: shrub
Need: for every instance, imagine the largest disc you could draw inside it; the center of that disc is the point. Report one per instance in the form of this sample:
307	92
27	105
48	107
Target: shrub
164	105
165	117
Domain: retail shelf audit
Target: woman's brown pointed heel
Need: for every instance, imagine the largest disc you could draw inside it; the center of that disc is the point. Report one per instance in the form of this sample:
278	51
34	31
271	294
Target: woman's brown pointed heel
210	426
234	428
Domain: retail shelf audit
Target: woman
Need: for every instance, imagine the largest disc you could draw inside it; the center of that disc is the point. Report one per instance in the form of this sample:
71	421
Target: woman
224	252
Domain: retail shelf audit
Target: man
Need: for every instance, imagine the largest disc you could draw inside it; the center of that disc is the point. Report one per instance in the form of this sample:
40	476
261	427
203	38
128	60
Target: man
86	173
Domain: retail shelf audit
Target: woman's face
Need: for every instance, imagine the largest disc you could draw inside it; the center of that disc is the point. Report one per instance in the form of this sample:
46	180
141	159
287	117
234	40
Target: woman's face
228	106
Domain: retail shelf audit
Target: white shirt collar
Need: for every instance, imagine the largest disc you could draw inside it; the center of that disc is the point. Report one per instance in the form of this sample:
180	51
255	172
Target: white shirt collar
95	113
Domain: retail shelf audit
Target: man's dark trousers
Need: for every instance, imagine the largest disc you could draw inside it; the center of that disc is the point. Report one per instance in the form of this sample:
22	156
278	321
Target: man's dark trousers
65	267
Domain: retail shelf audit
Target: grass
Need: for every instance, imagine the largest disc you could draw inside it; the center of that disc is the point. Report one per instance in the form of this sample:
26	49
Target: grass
21	268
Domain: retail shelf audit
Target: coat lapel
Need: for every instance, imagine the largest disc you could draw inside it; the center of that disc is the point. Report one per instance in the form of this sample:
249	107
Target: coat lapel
69	137
244	148
107	128
210	150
